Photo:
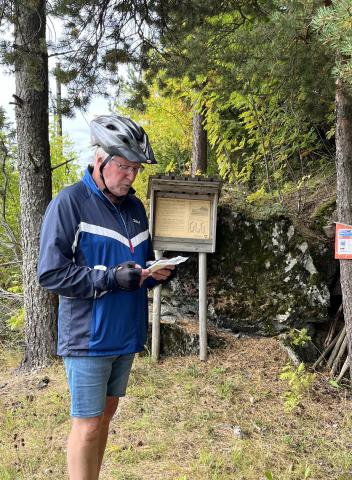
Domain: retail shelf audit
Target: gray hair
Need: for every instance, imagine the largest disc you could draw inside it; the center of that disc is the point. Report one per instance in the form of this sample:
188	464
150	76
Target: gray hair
101	152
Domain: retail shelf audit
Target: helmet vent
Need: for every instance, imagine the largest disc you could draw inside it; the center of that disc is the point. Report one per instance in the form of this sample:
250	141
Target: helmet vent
111	127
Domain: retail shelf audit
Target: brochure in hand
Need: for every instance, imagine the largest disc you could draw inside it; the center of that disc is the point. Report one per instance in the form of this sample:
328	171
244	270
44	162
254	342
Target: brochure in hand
164	262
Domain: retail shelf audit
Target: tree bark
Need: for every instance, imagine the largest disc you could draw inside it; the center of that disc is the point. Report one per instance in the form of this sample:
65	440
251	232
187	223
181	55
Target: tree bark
31	71
344	196
199	149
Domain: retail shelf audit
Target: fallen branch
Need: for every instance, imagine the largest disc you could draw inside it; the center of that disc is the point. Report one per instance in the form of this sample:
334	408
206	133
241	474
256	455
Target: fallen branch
11	295
325	352
340	339
333	326
344	369
339	356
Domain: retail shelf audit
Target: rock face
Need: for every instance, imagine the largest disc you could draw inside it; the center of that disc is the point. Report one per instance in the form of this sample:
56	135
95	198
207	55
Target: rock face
261	280
182	339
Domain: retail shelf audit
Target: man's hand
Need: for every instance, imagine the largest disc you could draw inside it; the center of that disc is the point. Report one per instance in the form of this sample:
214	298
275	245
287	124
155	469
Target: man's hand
163	274
130	276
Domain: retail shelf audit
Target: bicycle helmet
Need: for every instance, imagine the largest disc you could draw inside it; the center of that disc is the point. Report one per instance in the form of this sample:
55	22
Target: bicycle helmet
121	136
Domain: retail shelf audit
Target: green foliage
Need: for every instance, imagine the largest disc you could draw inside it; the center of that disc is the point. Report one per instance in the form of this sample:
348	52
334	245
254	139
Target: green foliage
298	337
168	122
335	384
299	381
258	70
193	371
334	25
10	248
258	196
64	161
264	79
16	322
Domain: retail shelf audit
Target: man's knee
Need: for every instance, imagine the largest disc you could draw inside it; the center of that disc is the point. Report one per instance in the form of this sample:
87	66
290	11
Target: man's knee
87	429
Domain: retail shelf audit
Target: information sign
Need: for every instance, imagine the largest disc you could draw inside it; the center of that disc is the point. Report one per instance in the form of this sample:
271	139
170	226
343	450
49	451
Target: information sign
182	218
343	241
183	212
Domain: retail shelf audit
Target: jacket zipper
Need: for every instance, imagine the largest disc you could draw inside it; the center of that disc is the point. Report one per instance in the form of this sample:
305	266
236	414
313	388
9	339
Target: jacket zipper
124	223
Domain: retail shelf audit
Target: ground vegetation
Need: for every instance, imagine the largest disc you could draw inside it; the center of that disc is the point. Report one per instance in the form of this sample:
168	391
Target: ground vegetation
240	415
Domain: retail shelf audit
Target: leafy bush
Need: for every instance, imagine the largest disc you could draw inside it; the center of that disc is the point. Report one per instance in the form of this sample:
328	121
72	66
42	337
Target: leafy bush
299	381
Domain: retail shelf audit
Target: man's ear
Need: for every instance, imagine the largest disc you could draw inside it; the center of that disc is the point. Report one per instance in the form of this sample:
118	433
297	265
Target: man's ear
99	157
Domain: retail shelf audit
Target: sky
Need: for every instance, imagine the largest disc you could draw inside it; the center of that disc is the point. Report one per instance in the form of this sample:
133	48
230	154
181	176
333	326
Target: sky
77	128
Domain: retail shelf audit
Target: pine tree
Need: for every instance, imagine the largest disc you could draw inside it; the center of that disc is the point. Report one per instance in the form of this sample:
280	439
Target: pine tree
30	59
334	23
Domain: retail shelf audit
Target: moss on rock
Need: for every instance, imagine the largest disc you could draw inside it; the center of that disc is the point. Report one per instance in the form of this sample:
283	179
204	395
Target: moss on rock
261	280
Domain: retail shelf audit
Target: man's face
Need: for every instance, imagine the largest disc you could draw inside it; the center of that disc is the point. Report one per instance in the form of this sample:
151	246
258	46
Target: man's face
119	174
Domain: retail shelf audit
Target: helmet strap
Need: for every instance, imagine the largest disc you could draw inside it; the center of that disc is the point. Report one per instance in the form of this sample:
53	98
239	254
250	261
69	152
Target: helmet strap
103	164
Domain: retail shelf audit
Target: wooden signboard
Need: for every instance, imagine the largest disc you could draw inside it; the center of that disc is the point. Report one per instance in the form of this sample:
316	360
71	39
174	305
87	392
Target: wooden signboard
183	212
183	218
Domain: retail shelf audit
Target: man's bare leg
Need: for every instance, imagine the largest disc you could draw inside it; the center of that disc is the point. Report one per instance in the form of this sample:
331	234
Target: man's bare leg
83	448
109	411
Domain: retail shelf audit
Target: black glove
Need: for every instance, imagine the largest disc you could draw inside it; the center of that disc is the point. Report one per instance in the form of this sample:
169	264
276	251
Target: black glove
127	276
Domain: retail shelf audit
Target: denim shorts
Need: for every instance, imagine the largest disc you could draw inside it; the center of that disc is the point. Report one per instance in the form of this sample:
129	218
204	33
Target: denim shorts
92	379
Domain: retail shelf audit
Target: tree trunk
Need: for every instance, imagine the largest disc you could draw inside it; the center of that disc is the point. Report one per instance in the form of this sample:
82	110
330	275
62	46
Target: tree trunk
31	70
199	149
344	195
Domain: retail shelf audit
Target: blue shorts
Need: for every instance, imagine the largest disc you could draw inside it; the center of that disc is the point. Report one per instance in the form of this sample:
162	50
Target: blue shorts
92	379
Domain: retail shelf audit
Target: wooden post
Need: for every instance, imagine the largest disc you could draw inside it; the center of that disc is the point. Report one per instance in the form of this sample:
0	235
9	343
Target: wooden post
156	316
203	343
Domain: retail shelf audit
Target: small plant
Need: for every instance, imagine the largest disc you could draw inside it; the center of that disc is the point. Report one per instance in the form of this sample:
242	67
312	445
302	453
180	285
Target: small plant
334	384
299	381
307	473
193	371
298	337
226	389
16	322
16	289
213	462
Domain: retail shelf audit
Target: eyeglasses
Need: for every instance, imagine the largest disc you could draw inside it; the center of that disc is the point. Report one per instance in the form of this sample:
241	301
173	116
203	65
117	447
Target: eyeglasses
127	168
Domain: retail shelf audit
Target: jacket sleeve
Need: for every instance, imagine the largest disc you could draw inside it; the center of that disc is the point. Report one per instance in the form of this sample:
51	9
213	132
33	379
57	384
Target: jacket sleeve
57	270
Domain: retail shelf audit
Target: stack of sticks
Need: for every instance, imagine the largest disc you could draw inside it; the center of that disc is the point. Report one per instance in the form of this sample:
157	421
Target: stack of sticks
335	353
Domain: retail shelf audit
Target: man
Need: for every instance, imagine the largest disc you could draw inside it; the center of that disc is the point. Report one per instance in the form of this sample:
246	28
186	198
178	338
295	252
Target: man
94	247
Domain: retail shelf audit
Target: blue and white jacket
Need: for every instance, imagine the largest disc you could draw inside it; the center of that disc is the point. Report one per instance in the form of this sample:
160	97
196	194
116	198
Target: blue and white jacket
83	237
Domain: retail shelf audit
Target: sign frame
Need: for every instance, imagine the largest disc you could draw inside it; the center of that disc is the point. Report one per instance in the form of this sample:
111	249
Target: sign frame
191	190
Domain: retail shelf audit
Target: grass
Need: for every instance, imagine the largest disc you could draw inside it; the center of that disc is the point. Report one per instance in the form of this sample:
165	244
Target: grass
179	419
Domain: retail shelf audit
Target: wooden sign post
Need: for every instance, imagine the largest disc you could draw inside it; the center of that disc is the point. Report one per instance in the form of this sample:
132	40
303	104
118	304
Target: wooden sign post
183	212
